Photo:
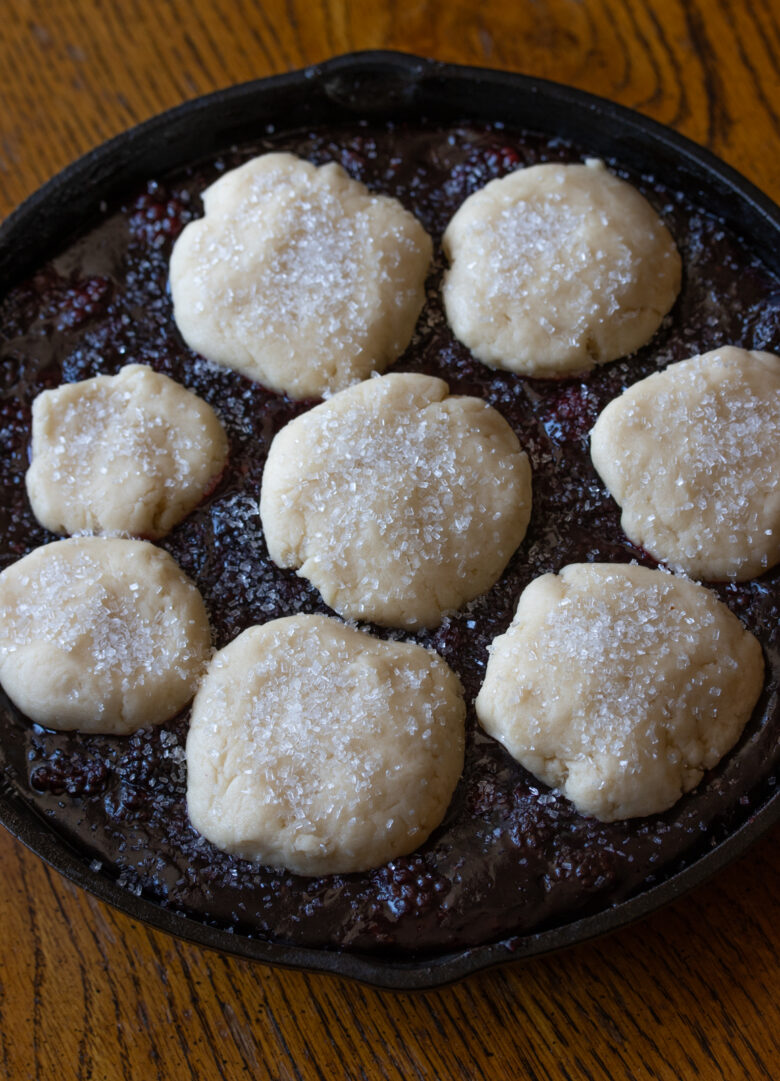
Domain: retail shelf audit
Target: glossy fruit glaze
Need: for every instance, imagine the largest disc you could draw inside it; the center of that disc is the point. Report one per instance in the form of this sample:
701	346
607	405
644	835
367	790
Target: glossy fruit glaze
511	856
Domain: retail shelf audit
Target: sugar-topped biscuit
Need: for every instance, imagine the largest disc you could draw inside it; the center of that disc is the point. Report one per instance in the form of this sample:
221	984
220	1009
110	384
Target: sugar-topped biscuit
620	686
396	501
128	453
298	276
692	455
556	268
318	748
100	634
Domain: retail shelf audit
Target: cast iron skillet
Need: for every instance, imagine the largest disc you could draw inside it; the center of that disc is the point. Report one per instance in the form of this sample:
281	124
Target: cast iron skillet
375	85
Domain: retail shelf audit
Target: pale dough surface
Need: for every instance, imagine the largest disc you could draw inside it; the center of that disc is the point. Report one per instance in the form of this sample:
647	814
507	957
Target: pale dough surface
298	277
128	453
396	501
321	749
620	686
692	455
101	635
556	268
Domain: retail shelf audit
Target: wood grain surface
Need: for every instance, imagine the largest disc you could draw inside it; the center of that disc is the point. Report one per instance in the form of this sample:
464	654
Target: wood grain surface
86	993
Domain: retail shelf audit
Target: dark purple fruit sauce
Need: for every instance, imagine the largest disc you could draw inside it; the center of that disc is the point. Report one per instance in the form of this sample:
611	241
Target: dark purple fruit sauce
511	855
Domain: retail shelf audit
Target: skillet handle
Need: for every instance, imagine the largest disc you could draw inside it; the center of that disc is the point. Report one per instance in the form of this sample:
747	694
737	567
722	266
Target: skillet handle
373	82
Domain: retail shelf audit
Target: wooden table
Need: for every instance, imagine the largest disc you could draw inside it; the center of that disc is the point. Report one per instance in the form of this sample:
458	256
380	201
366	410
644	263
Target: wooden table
87	993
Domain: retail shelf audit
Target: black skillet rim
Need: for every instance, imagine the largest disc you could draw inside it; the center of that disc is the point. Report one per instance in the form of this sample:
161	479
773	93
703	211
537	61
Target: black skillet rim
376	85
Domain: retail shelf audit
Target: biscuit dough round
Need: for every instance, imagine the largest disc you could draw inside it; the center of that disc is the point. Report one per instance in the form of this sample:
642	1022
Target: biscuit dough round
101	635
299	277
321	749
692	455
396	501
620	686
128	453
556	268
